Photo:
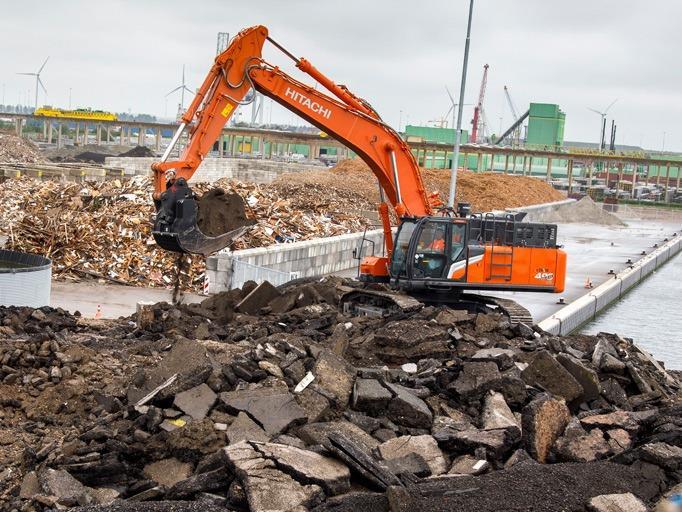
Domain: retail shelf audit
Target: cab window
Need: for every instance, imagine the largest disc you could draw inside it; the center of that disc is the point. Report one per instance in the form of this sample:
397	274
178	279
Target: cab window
430	258
401	247
457	242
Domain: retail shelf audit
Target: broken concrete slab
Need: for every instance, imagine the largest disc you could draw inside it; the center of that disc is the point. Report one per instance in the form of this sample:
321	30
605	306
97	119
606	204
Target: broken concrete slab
602	348
370	396
626	502
30	486
424	445
664	455
196	402
258	298
586	377
625	420
266	487
582	448
308	467
167	472
547	374
496	414
313	403
406	409
186	359
410	464
274	410
335	375
543	421
476	379
63	486
469	465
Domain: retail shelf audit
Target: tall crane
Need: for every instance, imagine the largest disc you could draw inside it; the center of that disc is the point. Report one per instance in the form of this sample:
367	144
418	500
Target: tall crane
478	125
515	136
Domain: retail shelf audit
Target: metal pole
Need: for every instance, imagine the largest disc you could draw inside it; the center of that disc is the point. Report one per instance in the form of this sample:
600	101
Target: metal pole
458	132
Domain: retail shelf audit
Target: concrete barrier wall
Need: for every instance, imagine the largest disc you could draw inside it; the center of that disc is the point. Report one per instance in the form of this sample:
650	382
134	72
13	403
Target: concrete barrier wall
587	307
212	169
536	212
308	258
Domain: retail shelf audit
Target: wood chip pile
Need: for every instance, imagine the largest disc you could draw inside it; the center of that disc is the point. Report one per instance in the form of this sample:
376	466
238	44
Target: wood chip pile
15	149
485	191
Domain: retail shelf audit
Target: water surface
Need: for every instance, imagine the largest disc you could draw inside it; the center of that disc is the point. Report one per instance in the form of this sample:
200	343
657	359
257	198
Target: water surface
650	314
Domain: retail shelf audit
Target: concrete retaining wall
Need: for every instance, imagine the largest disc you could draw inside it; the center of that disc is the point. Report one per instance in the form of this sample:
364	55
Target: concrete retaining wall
212	169
308	258
536	212
588	306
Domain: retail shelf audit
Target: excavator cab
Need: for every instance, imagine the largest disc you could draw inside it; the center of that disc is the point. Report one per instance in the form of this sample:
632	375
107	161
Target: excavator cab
476	252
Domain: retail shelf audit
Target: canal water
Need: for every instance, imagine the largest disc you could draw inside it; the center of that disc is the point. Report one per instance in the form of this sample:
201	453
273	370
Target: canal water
650	314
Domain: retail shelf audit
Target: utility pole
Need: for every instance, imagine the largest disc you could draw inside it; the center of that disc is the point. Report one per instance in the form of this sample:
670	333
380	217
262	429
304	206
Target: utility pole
458	132
69	98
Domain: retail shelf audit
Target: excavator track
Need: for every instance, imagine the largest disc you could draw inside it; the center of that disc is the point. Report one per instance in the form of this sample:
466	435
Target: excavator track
382	303
515	311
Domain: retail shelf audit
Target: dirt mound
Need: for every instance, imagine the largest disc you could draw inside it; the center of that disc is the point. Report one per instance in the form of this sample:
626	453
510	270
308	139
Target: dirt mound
91	157
15	149
220	212
139	151
584	210
485	191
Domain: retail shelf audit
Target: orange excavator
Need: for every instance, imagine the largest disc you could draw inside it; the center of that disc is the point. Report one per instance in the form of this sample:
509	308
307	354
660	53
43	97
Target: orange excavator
435	253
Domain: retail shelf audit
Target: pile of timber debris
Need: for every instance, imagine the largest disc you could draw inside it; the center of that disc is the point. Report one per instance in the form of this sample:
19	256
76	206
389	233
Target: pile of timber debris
104	229
18	149
271	399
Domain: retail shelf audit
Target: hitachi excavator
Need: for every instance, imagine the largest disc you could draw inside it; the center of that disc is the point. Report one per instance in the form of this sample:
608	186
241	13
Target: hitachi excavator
434	254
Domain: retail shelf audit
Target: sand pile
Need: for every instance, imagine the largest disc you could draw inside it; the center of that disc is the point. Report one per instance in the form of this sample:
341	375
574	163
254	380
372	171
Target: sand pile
585	210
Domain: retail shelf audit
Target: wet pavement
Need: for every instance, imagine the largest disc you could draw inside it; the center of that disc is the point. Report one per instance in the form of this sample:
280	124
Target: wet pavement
593	251
114	300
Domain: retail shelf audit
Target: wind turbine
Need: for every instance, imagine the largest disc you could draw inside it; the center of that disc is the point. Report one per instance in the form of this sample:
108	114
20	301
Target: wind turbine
38	80
602	124
453	105
182	88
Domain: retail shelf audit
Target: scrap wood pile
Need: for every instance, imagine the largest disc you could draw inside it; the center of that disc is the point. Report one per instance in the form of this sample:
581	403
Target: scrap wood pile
15	149
272	399
104	229
485	191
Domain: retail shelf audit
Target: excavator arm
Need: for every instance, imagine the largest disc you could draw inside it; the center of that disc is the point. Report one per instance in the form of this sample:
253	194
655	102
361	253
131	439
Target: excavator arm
346	117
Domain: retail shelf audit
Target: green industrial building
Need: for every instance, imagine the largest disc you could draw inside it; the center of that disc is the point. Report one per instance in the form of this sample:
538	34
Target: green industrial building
545	126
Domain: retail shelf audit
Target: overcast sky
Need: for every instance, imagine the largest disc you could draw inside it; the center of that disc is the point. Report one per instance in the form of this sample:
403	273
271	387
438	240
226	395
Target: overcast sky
126	55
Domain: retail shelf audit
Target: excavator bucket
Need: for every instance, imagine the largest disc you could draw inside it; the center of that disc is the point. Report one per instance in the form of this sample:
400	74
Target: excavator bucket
176	228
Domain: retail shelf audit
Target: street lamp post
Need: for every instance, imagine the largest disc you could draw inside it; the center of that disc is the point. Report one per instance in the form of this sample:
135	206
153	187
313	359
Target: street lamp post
458	132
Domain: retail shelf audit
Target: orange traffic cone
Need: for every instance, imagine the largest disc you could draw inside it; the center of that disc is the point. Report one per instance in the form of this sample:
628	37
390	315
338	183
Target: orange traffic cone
98	313
588	282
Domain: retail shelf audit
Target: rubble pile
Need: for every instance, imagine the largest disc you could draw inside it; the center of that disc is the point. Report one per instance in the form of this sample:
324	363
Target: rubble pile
271	399
484	191
15	149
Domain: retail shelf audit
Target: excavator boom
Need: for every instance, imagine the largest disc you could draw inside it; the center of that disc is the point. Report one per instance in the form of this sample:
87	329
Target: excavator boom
346	117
